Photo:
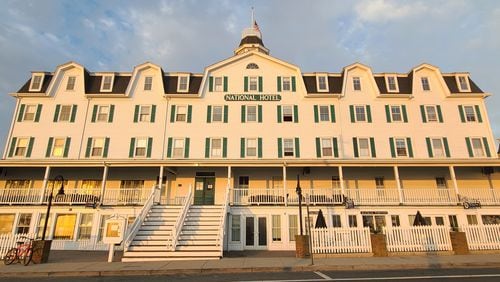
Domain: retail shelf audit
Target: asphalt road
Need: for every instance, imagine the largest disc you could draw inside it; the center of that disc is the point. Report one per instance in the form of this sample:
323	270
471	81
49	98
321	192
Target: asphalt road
468	274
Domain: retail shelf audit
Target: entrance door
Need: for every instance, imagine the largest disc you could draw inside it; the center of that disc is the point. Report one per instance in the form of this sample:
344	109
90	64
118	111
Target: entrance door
255	232
204	193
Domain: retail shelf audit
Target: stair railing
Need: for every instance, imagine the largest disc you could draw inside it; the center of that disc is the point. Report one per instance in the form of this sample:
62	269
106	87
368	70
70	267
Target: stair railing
176	230
222	223
132	230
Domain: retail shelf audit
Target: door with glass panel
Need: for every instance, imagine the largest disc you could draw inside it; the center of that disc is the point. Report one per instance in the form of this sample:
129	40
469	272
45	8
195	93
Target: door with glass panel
204	193
255	232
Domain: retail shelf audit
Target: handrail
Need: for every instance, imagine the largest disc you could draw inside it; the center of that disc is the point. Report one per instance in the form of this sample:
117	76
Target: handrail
139	219
176	230
222	223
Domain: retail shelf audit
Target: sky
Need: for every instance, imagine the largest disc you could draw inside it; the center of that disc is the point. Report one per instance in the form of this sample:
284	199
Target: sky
188	35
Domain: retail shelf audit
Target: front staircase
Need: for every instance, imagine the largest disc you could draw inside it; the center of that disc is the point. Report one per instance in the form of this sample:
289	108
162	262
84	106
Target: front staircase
199	237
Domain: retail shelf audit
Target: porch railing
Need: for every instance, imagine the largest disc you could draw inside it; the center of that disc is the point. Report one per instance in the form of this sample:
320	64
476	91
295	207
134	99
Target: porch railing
176	229
259	196
341	240
222	223
317	196
8	241
485	195
77	196
425	196
373	196
482	237
132	230
20	195
125	196
418	239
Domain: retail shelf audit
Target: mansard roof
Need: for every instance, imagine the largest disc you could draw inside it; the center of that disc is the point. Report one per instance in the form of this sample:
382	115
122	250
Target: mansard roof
45	85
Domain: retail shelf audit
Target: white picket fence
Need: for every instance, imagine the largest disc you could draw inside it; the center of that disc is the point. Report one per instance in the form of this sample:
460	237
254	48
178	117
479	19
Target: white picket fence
8	241
418	239
340	240
482	237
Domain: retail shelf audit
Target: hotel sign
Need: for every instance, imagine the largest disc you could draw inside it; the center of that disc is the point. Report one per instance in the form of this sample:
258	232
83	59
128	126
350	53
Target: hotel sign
252	97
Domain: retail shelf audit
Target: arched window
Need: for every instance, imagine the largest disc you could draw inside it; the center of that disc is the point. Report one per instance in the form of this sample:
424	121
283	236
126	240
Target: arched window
252	66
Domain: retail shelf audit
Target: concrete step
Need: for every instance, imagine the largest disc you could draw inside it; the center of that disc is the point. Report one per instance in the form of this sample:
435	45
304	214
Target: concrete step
160	218
200	232
157	223
200	227
139	259
154	232
166	254
137	242
198	237
149	248
160	207
153	237
155	227
196	242
197	248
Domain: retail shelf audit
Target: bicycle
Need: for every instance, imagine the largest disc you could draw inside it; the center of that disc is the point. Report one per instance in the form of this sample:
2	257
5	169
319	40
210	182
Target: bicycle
23	251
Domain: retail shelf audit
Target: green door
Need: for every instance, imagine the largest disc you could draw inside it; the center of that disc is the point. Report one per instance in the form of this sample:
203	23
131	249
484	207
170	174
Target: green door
204	193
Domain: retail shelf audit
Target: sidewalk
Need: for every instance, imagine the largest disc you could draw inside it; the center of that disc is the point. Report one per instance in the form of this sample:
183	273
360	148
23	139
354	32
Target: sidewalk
80	263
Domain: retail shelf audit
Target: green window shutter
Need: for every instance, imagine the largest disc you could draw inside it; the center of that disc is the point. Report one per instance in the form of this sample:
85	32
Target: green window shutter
56	113
446	147
369	113
224	147
297	147
189	113
153	113
225	84
486	147
242	147
73	113
372	147
12	146
469	147
136	113
410	147
243	113
111	113
440	114
332	113
280	148
259	147
462	114
294	87
89	147
186	149
259	113
429	147
66	146
150	146
295	113
405	114
207	147
351	110
132	148
94	113
316	114
38	112
278	83
169	147
387	113
30	147
21	113
318	147
335	147
393	150
478	113
260	84
172	114
209	114
106	148
226	110
211	84
48	153
355	147
245	84
279	113
422	112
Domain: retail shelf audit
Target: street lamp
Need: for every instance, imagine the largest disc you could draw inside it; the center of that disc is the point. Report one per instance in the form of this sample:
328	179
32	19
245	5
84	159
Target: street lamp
299	193
59	193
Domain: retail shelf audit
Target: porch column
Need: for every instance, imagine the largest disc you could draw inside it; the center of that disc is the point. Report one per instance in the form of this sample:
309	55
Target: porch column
398	184
103	184
454	179
284	186
341	179
45	182
228	186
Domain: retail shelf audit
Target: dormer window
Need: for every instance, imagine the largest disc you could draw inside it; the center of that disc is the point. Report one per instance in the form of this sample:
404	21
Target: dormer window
463	83
356	83
322	82
148	83
183	83
107	83
392	84
425	83
36	82
70	86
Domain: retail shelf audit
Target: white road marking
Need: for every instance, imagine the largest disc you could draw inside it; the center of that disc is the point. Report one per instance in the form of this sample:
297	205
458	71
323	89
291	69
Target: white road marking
326	277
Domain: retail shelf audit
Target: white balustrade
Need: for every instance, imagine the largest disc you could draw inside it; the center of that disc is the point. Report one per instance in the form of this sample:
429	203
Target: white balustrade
426	196
418	239
373	196
317	196
20	195
485	195
126	196
482	237
257	196
177	228
76	196
340	240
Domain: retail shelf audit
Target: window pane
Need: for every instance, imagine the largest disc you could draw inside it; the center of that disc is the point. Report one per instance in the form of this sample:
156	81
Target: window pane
145	113
326	147
41	224
37	79
65	113
235	228
218	84
425	84
216	147
396	113
437	148
356	83
140	147
322	83
253	83
71	83
286	83
178	148
401	147
251	147
470	114
180	113
148	83
101	226
97	147
276	228
288	147
364	147
251	113
58	149
288	113
360	113
23	225
217	114
336	220
6	223
103	113
85	227
65	226
22	143
29	112
353	221
477	146
431	113
391	83
183	83
395	220
463	83
292	226
324	113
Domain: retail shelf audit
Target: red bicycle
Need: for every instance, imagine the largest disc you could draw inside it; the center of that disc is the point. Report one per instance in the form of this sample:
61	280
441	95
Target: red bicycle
22	253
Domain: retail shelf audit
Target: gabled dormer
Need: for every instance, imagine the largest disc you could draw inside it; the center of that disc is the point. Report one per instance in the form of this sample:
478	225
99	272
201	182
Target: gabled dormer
36	81
107	80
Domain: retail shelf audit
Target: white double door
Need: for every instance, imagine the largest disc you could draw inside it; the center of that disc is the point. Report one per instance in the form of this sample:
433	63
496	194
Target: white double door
255	232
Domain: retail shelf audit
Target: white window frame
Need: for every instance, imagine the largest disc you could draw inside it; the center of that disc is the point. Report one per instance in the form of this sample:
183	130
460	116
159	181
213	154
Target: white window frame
284	148
26	112
459	84
32	83
356	113
434	149
283	113
53	152
16	148
473	112
179	87
148	83
247	114
288	83
143	117
248	147
95	140
329	139
407	154
369	155
21	223
483	151
100	114
235	227
61	111
216	153
180	150
276	228
396	84
356	83
85	225
136	147
425	82
327	87
327	113
218	83
400	113
427	113
221	113
71	83
293	226
177	114
336	218
252	79
103	84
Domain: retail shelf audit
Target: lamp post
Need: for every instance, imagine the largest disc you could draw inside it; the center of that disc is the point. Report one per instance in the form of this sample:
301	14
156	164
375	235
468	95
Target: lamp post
299	193
49	204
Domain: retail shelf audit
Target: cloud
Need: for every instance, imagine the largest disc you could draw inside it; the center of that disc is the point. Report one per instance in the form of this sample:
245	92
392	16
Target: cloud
380	11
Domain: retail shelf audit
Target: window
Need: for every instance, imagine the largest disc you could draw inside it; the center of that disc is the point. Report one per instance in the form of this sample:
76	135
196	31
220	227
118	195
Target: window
453	222
107	83
322	83
65	113
58	147
251	147
178	148
395	220
364	147
180	114
353	220
292	226
30	112
437	147
490	219
21	147
376	223
326	147
36	82
89	186
356	83
286	83
276	228
70	86
41	224
392	84
360	113
101	226
103	113
471	219
252	66
431	113
145	113
217	113
85	226
477	147
441	183
216	148
401	150
17	184
396	114
97	147
324	113
132	184
439	221
23	224
336	222
379	183
218	84
140	147
148	83
288	113
251	113
463	83
253	83
470	114
65	227
235	228
425	83
288	147
6	223
183	83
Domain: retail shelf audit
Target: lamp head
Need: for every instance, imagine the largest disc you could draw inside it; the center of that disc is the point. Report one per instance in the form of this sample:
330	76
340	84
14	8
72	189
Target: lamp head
61	190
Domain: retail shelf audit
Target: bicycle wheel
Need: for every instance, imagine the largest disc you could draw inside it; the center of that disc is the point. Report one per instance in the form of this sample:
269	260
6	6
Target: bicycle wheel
10	256
27	256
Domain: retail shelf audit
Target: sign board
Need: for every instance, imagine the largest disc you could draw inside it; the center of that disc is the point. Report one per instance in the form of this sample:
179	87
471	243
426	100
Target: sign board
252	97
114	230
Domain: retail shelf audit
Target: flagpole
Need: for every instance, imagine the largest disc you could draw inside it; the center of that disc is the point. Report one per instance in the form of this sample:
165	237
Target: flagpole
253	20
